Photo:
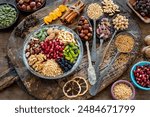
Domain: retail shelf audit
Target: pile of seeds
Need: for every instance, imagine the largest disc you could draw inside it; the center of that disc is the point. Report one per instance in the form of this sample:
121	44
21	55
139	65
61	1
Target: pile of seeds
94	11
124	43
122	91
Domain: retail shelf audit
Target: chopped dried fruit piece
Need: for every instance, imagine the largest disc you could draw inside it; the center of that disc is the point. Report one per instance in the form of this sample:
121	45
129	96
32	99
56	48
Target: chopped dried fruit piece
62	8
57	12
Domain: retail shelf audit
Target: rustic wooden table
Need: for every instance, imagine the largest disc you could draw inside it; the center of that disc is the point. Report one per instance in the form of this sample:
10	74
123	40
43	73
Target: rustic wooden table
15	92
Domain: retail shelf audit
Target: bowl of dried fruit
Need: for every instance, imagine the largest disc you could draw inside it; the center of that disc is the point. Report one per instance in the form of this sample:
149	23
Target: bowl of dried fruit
52	52
123	90
141	8
140	75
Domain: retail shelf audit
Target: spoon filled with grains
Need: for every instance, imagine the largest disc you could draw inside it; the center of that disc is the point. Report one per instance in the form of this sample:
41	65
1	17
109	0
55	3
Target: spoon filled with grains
124	44
94	11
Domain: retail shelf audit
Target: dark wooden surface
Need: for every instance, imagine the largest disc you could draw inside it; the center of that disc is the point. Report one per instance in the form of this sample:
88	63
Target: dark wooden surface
14	92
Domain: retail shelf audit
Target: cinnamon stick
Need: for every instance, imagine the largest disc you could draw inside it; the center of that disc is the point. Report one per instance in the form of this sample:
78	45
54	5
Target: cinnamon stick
72	15
69	11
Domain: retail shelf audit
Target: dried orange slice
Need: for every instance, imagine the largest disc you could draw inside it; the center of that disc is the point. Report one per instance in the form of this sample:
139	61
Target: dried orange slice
57	12
62	8
53	16
83	84
71	89
47	20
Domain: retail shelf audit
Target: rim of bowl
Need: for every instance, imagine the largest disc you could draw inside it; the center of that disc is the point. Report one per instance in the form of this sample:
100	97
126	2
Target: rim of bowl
17	15
133	77
59	76
126	82
30	11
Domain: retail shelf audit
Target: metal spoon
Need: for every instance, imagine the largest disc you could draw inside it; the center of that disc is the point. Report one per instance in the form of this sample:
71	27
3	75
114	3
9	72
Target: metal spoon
99	58
94	89
107	47
93	54
91	70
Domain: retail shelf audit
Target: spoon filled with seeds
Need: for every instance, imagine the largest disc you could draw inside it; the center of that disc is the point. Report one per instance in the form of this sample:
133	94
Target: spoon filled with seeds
94	11
124	44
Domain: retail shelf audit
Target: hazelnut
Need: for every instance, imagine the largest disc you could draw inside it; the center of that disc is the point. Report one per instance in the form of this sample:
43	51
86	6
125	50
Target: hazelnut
86	31
86	37
82	35
86	22
26	0
86	27
20	1
80	23
79	28
39	4
89	34
28	8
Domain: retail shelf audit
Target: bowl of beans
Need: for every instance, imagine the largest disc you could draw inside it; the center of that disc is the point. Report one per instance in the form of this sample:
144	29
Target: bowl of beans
140	75
30	5
52	52
8	15
123	90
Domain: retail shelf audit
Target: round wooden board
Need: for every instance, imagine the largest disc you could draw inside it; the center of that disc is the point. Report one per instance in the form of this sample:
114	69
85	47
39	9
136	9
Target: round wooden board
52	89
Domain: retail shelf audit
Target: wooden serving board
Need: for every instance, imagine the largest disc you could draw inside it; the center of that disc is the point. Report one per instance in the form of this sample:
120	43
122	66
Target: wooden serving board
52	89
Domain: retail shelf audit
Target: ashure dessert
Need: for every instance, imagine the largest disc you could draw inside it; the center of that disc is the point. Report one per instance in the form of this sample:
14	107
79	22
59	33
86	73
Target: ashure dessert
52	51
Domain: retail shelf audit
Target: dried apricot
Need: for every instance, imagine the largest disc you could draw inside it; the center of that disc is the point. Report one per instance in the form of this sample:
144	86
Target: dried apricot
57	12
62	8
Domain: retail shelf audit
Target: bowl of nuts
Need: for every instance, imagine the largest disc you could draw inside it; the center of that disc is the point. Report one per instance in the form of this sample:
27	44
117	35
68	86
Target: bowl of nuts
30	5
52	52
123	90
140	75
